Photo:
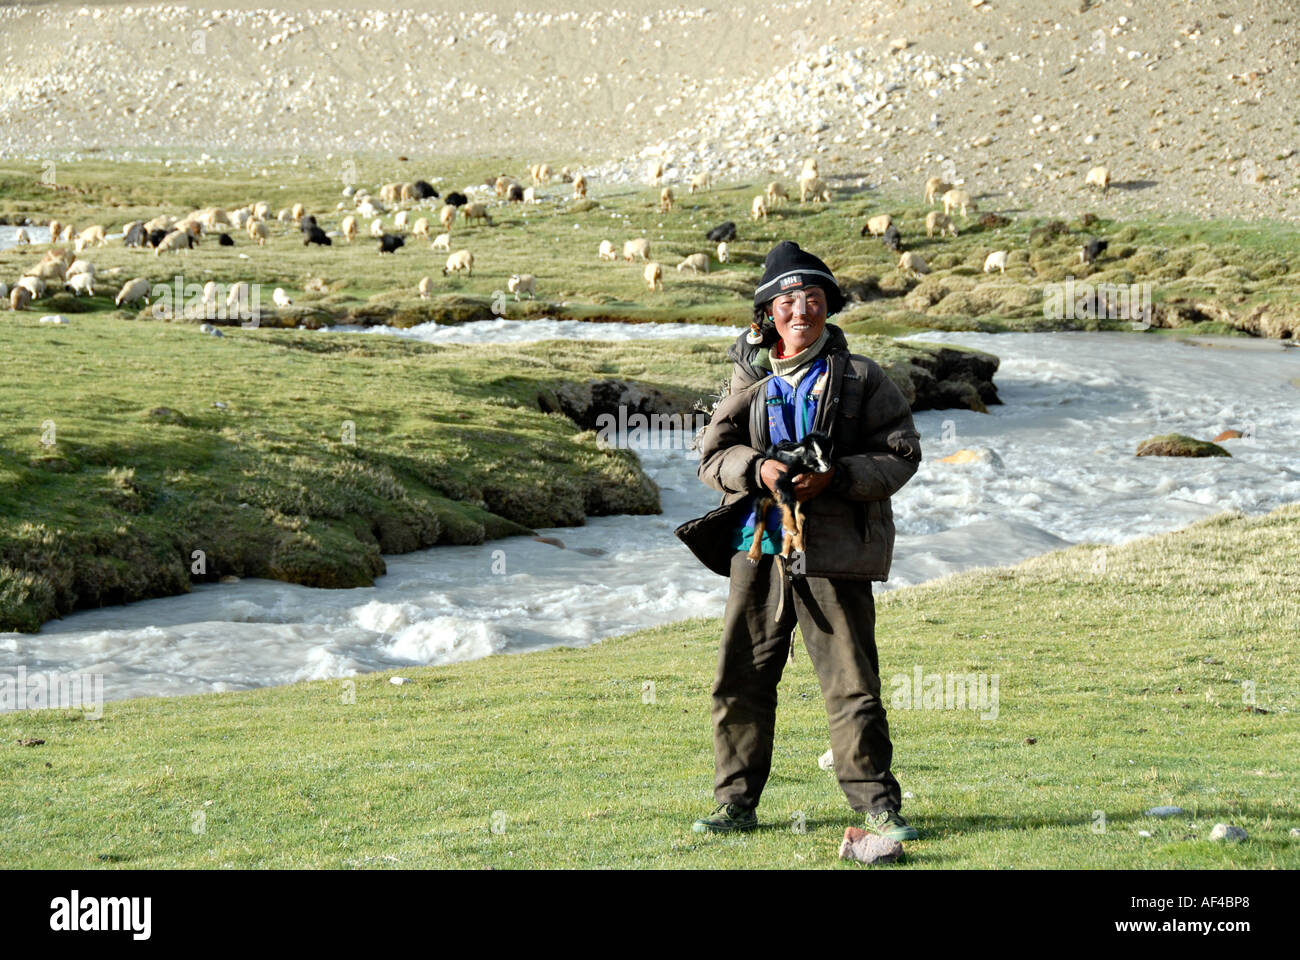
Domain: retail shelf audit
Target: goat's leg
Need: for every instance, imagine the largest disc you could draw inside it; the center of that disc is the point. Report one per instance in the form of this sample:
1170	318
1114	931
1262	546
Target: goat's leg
788	528
756	548
798	528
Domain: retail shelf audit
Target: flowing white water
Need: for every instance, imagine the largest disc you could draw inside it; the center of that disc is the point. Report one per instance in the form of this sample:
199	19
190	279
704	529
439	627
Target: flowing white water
1076	407
502	330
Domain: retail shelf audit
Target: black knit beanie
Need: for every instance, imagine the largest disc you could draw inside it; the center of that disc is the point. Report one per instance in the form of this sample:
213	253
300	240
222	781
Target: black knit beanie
789	268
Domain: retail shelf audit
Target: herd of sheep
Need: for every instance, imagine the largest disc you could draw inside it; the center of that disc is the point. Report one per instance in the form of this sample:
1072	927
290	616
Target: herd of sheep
166	234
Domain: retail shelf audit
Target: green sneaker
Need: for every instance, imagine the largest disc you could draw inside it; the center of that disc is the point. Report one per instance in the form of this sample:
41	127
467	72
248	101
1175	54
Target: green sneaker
889	823
725	818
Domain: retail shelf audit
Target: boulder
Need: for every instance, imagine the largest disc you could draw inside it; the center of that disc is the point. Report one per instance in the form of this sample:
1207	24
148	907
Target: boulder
1226	831
1178	445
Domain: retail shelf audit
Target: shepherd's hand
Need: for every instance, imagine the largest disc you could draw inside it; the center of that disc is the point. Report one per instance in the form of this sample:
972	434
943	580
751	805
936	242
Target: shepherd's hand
808	485
771	471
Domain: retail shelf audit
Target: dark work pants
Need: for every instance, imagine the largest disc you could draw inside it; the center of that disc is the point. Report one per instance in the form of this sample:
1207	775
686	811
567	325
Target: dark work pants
837	619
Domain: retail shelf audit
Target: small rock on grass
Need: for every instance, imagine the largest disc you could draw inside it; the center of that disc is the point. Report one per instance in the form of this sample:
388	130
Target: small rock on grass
827	760
1164	811
1226	831
1295	831
866	847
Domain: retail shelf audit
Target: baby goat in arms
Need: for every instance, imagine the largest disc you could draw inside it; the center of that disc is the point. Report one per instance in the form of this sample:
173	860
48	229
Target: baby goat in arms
812	454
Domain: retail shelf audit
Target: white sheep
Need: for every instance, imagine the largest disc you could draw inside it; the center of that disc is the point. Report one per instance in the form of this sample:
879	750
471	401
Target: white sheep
442	242
701	181
19	298
284	215
1098	177
935	187
68	234
695	263
940	223
81	283
458	261
239	293
580	186
298	212
400	220
913	263
666	200
815	189
21	238
280	298
954	199
425	288
758	209
776	191
261	210
133	290
530	195
447	217
656	172
997	260
636	248
522	283
211	292
258	230
607	251
348	227
34	285
724	252
809	168
877	225
377	228
541	173
476	211
56	269
81	266
654	275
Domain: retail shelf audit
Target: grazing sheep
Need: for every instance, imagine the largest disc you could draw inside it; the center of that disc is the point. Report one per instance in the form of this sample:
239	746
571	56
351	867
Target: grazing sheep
261	210
654	276
607	251
284	215
776	191
958	198
400	220
162	221
425	288
81	283
260	231
421	228
423	190
390	192
809	168
348	228
541	174
913	263
176	240
55	229
80	267
280	298
636	248
368	209
456	199
935	187
240	295
19	298
1092	250
997	260
442	242
701	181
724	252
133	233
447	217
133	290
33	285
695	263
580	186
458	261
876	226
758	209
723	231
892	239
238	219
225	240
503	185
210	292
815	189
1098	177
55	269
213	217
476	211
406	193
21	239
530	196
68	234
666	200
515	194
377	228
95	235
656	172
522	283
941	222
390	242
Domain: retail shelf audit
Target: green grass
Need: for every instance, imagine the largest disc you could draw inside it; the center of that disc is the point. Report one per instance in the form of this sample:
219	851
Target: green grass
1125	665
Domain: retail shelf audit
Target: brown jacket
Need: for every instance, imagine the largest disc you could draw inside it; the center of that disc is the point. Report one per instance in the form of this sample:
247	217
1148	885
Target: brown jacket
850	525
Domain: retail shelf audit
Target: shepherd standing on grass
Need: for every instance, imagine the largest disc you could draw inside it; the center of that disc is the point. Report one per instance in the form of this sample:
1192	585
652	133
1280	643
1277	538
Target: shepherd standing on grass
794	374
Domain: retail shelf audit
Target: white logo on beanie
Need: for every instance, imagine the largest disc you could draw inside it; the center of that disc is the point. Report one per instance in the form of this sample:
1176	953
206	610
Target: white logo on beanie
791	280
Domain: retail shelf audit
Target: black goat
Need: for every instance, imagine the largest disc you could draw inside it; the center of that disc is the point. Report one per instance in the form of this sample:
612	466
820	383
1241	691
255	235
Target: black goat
225	240
892	239
389	243
725	231
423	190
812	454
1092	250
317	235
456	199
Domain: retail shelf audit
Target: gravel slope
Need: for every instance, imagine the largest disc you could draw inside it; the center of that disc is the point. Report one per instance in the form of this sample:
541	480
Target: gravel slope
1192	105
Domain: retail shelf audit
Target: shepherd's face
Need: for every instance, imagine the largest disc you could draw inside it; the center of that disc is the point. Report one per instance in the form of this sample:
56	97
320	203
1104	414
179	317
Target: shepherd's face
800	317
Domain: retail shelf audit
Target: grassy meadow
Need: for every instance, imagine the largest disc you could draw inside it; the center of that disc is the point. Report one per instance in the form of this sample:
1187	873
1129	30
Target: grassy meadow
1160	672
